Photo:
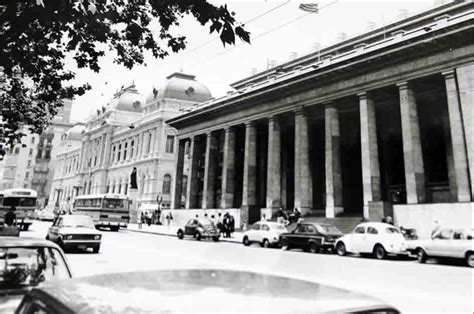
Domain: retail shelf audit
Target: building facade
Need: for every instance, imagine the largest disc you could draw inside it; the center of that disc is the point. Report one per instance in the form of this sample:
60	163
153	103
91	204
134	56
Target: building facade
380	124
129	132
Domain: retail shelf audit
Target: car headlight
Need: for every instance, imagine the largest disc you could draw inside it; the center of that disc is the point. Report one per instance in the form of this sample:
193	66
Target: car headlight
97	237
68	237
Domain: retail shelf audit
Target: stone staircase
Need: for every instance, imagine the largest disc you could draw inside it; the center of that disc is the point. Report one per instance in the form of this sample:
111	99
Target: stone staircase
345	224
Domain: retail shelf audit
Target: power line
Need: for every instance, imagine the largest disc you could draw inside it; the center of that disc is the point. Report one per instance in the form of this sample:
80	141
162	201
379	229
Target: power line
247	22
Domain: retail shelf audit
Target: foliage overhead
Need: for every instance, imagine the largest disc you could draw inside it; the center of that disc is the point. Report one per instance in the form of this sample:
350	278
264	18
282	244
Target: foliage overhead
36	36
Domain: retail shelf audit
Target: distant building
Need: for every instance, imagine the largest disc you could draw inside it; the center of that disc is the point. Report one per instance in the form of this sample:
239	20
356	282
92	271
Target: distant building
130	131
31	163
380	124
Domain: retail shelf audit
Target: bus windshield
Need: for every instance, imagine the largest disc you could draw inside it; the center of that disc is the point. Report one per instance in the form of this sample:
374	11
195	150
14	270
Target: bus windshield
115	203
19	201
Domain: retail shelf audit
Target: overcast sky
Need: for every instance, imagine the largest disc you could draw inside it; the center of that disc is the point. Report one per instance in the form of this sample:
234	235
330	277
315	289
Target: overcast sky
282	29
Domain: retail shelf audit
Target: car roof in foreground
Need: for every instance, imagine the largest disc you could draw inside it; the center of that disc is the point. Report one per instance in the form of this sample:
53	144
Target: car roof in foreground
25	242
203	289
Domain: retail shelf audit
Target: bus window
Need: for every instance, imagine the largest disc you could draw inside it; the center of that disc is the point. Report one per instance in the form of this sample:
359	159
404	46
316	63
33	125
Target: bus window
114	203
27	201
96	202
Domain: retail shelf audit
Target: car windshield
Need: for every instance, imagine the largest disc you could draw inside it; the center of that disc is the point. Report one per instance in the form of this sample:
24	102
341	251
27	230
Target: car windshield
327	229
24	267
392	230
77	221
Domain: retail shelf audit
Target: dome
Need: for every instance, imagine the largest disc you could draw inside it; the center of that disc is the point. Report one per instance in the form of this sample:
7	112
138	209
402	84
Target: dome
75	133
128	99
181	86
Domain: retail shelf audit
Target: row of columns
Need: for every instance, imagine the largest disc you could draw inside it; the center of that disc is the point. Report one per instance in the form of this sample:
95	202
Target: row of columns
461	146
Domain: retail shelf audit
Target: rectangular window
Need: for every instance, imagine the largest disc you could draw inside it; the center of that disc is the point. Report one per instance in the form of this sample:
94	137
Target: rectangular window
33	140
170	144
48	154
27	174
17	150
25	186
38	155
125	151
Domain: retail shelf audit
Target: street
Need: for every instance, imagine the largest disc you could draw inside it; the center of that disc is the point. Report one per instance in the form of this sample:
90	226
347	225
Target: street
409	286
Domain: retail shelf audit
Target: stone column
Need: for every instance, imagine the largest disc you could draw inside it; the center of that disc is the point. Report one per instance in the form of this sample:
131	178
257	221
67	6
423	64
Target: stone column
178	177
249	190
228	169
302	170
153	144
369	151
208	193
465	79
191	191
274	166
458	167
140	146
333	163
86	145
412	154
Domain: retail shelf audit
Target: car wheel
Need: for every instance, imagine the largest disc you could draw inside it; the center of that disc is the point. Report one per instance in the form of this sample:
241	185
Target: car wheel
313	248
421	255
284	245
341	249
198	236
215	239
266	243
379	252
470	259
96	249
246	241
180	234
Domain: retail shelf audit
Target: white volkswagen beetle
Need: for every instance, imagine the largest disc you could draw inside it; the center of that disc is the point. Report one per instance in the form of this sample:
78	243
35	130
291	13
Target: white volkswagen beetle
379	239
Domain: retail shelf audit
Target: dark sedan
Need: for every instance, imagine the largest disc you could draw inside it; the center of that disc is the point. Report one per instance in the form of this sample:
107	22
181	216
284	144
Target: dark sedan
196	291
199	229
312	237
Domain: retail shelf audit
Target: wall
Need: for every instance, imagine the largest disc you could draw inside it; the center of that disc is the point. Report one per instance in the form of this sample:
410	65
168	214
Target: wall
422	216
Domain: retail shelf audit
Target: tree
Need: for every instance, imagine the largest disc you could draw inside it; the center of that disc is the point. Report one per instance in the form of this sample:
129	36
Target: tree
36	36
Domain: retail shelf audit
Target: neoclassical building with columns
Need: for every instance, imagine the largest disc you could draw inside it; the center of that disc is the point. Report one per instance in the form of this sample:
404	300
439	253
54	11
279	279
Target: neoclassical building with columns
380	124
130	131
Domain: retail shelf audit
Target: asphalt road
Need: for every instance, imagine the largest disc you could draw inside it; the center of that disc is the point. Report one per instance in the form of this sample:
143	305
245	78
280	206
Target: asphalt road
409	286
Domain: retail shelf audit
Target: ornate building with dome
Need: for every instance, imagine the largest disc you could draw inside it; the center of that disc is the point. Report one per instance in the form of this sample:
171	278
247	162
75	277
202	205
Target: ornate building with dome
130	131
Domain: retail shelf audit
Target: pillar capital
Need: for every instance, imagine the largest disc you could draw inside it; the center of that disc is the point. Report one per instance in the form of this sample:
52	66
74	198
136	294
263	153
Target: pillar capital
329	104
362	95
249	124
448	74
403	85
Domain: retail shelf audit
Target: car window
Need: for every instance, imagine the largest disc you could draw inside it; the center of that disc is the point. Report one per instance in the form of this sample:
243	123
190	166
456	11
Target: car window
301	229
23	267
256	226
391	230
445	234
190	222
77	221
359	230
372	230
265	228
310	229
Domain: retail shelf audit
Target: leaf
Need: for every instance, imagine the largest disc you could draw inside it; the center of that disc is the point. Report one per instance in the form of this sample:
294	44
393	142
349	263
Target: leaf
243	34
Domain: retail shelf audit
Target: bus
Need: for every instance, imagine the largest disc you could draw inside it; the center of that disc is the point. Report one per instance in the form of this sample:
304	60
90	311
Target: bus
24	200
107	210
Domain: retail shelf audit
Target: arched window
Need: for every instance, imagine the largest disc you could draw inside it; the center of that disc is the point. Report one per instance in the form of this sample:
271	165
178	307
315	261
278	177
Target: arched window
167	184
125	151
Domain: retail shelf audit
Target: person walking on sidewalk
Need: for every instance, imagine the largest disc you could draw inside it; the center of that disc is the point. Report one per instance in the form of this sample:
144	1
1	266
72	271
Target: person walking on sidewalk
140	218
169	217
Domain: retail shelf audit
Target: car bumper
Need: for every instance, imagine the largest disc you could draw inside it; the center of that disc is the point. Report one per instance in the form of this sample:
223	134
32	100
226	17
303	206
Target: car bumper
74	244
111	224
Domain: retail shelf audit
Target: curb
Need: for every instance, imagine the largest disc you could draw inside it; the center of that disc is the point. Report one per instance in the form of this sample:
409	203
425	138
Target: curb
173	235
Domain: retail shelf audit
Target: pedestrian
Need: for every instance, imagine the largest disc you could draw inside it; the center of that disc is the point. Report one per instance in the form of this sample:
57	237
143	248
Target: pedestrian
226	225
389	220
148	218
232	225
220	226
10	217
141	219
169	217
158	216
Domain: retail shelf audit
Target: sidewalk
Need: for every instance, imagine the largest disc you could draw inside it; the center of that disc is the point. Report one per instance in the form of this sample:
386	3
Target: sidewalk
172	230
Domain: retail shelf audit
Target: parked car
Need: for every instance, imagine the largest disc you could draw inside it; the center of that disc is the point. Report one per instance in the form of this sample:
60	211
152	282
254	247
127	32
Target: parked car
26	263
75	231
199	229
310	236
379	239
267	233
191	291
448	243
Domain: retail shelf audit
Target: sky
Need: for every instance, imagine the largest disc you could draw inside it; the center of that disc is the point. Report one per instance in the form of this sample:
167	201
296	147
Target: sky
279	29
